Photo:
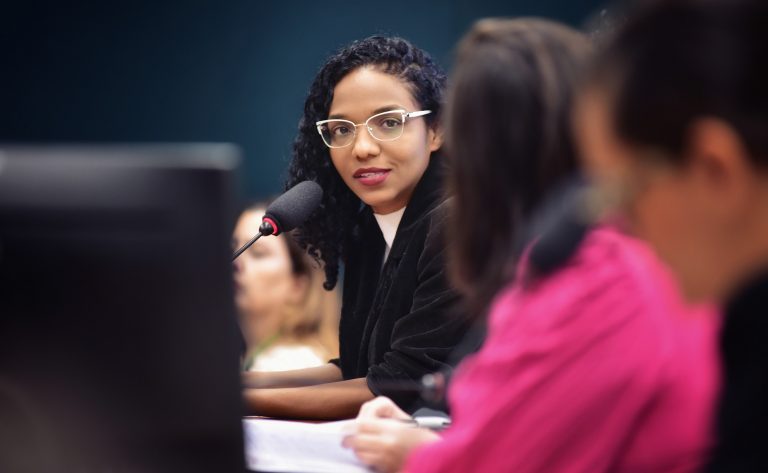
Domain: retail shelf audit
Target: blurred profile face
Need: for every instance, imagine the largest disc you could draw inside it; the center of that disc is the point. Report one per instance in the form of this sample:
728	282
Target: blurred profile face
264	280
383	174
693	213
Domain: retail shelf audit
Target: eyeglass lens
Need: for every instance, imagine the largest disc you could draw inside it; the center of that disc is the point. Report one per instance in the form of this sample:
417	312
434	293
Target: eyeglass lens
383	127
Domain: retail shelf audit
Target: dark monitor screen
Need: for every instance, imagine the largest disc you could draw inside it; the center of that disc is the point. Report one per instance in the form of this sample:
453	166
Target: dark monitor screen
119	347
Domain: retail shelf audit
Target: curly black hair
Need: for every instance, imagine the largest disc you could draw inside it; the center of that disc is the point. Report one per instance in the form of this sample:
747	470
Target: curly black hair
326	235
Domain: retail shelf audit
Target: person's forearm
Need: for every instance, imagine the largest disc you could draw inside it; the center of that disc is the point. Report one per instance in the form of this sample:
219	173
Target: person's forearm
339	400
327	373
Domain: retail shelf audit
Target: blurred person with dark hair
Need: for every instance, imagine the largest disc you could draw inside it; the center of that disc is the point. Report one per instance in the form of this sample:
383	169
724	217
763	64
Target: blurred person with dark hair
674	125
370	137
594	367
288	320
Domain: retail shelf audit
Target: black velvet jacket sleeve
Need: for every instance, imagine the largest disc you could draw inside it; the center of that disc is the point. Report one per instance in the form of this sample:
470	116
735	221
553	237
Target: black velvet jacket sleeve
401	321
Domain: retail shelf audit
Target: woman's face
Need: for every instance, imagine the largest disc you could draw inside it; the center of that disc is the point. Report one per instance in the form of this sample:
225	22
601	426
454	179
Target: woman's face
689	212
264	280
383	174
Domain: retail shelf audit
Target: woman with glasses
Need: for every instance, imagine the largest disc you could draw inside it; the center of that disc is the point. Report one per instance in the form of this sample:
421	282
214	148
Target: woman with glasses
370	136
593	367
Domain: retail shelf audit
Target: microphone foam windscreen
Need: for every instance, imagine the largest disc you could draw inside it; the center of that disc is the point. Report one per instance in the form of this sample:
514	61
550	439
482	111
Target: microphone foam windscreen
296	205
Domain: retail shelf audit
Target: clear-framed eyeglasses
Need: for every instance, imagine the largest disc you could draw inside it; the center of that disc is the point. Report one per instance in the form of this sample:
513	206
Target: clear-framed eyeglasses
385	126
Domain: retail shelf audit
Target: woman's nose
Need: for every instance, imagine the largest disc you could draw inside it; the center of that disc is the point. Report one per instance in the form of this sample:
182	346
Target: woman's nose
365	146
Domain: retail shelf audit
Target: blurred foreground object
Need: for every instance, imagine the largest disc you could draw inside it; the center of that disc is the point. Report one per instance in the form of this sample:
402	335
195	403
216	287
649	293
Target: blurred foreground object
114	274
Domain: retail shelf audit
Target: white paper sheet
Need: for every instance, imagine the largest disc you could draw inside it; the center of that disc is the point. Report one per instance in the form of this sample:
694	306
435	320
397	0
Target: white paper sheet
285	446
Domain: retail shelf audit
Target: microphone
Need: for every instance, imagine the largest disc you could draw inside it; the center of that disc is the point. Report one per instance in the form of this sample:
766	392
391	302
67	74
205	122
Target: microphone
287	212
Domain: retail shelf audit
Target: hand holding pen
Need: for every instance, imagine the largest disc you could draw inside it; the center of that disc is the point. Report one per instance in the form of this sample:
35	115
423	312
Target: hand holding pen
385	435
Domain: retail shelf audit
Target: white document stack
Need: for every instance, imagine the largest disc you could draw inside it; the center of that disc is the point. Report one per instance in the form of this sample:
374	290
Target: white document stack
284	446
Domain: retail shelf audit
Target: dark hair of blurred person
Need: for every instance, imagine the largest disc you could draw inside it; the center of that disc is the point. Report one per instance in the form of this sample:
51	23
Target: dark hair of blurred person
509	110
675	127
288	320
594	367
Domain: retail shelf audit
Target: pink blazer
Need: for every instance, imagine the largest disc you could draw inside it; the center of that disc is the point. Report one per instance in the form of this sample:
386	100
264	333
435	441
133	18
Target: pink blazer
600	367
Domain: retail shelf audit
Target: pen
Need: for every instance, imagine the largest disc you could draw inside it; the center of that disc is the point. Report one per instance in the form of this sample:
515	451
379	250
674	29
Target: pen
434	423
429	422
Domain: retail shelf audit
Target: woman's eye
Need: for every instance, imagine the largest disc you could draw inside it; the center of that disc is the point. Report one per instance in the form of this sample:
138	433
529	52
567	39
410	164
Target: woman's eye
390	123
340	130
257	252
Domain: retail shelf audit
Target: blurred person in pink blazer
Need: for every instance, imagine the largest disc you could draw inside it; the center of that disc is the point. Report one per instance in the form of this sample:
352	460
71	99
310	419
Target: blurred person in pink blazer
675	131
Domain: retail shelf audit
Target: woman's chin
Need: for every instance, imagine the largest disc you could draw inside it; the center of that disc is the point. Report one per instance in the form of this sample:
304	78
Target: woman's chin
382	204
241	303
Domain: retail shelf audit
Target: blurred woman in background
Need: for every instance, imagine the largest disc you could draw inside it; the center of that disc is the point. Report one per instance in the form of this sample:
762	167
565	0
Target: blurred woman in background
595	366
288	320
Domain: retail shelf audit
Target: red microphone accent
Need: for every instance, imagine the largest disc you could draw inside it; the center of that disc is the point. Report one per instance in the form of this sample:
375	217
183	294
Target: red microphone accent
273	223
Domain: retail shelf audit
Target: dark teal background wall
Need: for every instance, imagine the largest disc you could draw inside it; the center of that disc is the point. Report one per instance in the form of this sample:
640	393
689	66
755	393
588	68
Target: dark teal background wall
232	70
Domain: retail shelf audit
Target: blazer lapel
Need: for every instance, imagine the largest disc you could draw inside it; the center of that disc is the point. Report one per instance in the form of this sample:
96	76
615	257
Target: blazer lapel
427	194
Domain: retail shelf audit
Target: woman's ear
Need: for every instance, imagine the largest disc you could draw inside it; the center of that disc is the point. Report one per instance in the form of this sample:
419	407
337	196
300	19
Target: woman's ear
435	138
719	164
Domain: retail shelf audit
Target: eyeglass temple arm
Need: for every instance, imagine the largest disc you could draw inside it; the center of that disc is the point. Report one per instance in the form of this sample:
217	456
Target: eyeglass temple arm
418	114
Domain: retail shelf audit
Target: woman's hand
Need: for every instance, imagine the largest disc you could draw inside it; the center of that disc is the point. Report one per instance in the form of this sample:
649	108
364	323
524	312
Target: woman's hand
386	435
381	408
384	444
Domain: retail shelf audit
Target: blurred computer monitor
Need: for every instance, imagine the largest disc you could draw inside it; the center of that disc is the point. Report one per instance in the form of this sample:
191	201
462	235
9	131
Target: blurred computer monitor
119	347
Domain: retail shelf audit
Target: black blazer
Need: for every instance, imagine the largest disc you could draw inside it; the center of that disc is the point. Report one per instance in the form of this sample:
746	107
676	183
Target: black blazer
400	321
742	418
